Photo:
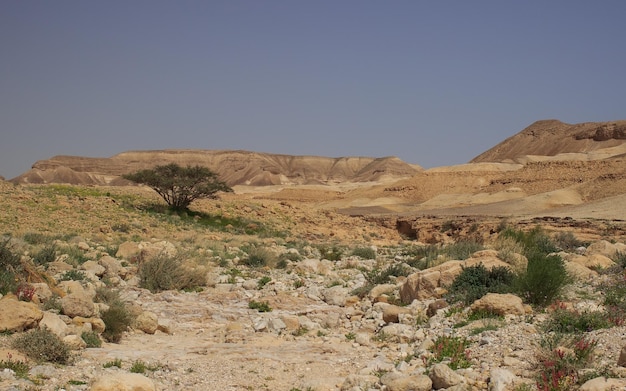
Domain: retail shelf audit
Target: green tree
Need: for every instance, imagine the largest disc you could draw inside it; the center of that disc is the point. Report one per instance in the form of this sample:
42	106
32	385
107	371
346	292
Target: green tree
180	186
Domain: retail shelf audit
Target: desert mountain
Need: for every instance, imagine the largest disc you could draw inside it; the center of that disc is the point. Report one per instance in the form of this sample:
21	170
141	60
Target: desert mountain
560	141
234	167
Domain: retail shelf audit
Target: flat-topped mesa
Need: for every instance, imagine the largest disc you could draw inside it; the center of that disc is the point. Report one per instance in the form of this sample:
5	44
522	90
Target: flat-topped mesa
551	138
234	167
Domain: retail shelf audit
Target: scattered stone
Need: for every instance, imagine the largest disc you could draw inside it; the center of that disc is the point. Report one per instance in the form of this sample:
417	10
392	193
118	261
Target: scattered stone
147	322
500	379
603	384
444	377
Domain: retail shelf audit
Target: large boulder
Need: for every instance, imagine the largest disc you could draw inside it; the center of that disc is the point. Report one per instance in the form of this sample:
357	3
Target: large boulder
396	381
54	323
501	304
431	283
78	304
147	322
123	382
18	315
444	377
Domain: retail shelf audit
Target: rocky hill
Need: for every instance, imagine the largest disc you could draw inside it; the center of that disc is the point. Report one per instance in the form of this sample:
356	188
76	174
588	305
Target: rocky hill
234	167
553	138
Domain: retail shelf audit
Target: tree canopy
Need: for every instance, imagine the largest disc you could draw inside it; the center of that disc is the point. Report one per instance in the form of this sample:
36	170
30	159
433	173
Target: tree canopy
180	186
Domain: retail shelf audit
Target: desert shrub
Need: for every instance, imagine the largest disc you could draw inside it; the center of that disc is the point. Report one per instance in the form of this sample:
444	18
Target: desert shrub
620	259
10	267
116	319
567	241
507	248
534	242
259	257
73	275
45	255
377	277
561	360
453	349
19	367
332	253
424	257
138	366
165	272
475	281
544	279
91	338
43	345
462	250
563	320
364	252
37	238
114	363
259	306
263	281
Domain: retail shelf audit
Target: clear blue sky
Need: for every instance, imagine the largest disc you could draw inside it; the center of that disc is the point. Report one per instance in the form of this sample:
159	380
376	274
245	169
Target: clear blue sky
432	82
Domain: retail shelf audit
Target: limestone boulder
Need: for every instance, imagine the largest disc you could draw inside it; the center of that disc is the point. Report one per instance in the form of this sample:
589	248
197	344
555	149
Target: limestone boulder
128	250
147	322
336	295
502	304
579	271
151	250
443	376
18	315
380	290
603	384
89	324
395	381
113	267
74	342
391	313
54	323
93	267
78	304
500	379
604	247
123	382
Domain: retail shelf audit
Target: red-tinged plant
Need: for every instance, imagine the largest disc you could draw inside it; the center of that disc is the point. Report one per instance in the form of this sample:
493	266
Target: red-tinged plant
25	292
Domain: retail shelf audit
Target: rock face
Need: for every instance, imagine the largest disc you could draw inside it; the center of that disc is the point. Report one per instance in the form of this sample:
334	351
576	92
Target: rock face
234	167
18	315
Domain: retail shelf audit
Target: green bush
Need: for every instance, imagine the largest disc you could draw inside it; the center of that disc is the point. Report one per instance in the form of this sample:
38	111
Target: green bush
91	338
43	345
453	349
544	279
36	238
535	242
564	320
167	273
364	252
19	367
45	255
116	318
73	275
259	306
476	281
377	277
332	253
11	267
259	257
567	241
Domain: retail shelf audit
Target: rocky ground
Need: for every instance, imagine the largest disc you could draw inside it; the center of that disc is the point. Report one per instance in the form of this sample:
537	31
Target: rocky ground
319	335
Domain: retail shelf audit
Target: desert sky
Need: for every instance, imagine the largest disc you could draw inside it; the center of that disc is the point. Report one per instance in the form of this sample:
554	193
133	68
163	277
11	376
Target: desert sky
432	82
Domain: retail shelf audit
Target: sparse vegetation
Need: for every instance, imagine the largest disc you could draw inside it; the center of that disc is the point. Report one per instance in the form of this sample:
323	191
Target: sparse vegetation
42	345
476	281
259	306
453	349
165	272
116	318
91	338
